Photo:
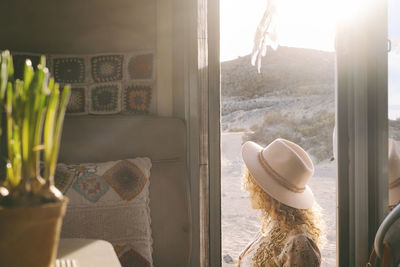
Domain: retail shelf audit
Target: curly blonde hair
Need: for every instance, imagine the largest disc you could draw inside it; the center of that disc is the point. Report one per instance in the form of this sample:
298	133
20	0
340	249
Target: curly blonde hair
287	217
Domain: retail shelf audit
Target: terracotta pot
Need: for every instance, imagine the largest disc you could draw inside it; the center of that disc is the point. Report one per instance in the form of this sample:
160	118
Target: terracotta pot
29	235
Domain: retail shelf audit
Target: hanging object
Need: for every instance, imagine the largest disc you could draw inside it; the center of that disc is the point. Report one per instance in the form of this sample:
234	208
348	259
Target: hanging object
266	34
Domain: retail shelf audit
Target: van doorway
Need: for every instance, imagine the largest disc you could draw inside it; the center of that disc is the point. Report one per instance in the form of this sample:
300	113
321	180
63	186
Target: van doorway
291	97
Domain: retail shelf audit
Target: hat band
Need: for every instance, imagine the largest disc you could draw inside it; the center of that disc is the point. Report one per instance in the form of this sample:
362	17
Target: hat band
395	183
279	179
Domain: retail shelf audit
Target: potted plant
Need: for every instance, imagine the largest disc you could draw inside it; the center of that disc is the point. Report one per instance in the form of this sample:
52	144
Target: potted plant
31	208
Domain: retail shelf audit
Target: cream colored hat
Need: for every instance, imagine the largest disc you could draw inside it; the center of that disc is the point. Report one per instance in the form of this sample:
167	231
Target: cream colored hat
282	169
394	172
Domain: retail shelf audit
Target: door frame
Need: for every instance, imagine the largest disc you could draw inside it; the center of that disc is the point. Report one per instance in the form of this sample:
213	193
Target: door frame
361	123
362	131
202	113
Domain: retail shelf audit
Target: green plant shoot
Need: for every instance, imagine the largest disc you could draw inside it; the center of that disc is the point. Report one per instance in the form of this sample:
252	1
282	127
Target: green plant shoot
34	115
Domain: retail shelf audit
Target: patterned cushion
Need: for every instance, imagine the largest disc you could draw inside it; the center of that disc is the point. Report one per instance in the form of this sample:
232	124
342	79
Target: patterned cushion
141	67
102	83
105	98
107	68
69	69
63	178
77	101
129	257
110	201
136	99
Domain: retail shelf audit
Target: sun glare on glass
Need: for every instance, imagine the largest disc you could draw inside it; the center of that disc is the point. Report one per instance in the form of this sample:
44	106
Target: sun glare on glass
304	24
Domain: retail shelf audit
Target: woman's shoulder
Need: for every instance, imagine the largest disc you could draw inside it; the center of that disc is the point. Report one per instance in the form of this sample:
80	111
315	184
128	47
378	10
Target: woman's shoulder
300	250
299	237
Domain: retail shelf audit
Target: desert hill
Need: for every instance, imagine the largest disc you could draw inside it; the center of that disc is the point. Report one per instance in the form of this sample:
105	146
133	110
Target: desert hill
282	70
293	98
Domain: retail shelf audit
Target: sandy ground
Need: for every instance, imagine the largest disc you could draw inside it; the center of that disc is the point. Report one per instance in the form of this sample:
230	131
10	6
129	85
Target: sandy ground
240	222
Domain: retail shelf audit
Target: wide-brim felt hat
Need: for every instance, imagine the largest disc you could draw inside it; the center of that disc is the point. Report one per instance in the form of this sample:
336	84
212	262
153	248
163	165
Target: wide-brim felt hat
282	169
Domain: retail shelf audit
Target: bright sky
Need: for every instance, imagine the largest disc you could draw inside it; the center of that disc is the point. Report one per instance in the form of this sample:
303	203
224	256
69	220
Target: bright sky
305	23
394	59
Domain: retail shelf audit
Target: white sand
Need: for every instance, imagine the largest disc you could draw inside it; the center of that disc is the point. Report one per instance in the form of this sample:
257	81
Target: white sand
240	222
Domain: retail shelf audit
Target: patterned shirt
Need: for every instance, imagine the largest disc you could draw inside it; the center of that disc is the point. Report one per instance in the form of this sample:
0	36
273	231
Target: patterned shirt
277	248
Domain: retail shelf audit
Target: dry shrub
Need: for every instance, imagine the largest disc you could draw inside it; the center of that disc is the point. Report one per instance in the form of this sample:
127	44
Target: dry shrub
394	129
301	90
313	134
237	129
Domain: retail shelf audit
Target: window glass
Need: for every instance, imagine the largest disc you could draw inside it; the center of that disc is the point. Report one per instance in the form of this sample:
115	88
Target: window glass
292	97
394	98
394	64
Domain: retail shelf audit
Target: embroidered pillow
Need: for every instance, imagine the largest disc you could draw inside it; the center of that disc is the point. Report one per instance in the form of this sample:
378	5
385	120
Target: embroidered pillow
110	201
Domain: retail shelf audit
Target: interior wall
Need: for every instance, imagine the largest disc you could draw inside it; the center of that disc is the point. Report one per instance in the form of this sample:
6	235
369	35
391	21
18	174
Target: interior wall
92	26
100	26
181	29
164	52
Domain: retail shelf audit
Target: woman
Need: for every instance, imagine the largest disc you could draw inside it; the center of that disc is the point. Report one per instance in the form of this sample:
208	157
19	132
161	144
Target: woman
276	177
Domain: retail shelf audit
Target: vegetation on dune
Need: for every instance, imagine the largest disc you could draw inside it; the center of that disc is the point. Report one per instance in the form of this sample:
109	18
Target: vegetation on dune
314	134
394	129
295	94
285	69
